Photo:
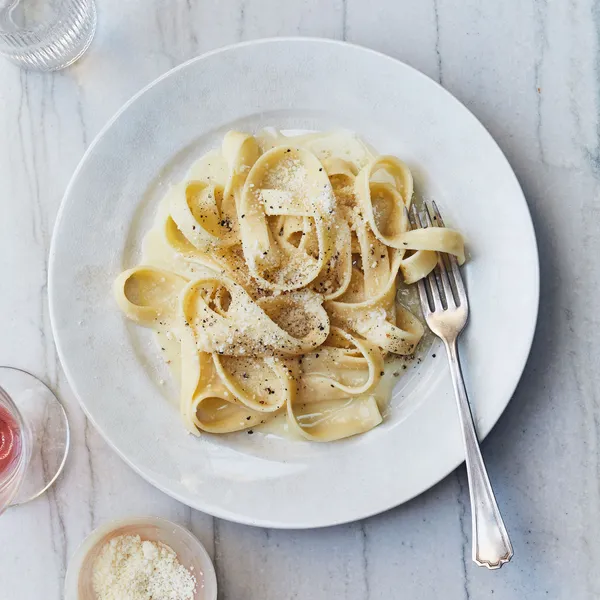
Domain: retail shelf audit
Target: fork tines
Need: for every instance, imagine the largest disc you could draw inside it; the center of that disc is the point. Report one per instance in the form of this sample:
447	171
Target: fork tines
443	289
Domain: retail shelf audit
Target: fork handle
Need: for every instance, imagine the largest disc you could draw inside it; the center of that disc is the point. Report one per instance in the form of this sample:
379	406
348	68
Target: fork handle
491	544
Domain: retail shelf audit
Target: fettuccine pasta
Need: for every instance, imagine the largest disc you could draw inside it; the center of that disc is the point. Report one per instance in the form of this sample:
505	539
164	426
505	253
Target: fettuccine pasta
272	270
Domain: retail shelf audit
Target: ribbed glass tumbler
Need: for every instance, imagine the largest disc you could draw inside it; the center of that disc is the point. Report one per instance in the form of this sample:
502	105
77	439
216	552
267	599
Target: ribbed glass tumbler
46	34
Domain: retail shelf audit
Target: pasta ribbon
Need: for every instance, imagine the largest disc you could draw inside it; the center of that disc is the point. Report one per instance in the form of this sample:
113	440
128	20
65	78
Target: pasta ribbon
227	321
383	205
288	182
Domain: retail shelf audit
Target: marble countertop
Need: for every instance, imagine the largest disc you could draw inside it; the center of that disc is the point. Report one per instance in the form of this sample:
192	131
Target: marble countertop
528	69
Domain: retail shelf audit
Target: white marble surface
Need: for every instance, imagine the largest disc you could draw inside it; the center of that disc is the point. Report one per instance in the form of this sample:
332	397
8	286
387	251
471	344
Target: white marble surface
529	70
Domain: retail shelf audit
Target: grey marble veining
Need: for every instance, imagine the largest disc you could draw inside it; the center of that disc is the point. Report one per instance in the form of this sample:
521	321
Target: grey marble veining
529	70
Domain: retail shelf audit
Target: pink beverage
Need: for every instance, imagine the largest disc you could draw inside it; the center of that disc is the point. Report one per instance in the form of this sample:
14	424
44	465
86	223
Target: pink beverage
10	443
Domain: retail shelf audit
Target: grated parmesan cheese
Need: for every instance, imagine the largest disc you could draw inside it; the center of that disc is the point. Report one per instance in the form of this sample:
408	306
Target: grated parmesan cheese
289	174
132	569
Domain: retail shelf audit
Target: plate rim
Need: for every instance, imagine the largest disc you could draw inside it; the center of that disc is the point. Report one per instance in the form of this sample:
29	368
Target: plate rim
221	512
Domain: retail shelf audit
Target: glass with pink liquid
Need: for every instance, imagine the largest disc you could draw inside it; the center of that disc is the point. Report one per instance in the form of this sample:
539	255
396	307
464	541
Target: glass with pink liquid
34	437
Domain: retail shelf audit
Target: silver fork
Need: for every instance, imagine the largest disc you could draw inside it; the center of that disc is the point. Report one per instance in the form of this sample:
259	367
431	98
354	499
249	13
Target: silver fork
446	311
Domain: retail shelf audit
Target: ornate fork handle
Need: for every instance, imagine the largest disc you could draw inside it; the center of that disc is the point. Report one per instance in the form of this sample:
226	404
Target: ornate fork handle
491	545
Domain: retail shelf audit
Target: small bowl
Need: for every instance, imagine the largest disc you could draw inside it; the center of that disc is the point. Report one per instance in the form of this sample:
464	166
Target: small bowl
190	553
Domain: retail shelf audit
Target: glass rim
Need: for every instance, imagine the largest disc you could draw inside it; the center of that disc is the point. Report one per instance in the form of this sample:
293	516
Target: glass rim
29	438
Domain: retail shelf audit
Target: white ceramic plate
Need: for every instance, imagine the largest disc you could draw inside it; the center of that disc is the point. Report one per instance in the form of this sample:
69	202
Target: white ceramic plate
114	367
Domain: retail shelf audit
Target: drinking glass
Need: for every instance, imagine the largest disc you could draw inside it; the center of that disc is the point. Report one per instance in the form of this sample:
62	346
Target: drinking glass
46	34
34	437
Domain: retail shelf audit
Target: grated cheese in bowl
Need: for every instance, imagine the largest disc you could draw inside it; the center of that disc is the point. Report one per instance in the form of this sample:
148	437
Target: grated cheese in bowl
141	558
128	567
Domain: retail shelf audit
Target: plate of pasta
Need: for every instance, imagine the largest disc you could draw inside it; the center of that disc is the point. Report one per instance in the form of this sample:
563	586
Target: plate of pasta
231	281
